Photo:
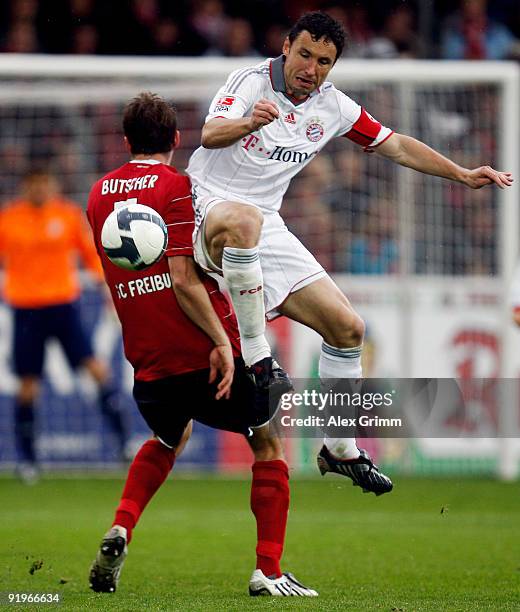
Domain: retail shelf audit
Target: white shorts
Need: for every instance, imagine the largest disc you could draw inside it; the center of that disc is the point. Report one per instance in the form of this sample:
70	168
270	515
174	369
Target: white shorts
286	264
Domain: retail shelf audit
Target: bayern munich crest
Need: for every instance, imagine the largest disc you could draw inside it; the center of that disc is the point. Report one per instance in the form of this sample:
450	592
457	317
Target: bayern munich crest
314	131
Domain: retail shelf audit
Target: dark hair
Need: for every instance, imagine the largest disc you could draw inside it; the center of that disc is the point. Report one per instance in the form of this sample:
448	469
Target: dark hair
320	25
149	123
36	171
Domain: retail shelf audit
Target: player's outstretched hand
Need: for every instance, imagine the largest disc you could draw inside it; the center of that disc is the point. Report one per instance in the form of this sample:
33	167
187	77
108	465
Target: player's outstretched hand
264	113
485	175
221	362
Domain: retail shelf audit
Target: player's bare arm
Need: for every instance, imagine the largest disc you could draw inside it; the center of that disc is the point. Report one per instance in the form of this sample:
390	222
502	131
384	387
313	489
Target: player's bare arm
220	132
412	153
194	301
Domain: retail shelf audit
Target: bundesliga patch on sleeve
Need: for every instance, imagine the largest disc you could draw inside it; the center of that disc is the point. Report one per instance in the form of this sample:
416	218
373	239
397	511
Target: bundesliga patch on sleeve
224	104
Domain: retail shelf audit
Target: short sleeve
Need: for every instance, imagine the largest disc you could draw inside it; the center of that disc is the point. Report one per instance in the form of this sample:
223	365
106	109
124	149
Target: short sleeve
237	96
180	221
358	125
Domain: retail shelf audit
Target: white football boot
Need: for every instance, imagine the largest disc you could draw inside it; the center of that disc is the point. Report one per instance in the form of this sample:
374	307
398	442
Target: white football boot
285	586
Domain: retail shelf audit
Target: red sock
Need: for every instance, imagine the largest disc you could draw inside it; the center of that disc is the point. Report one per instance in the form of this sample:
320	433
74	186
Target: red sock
148	471
270	505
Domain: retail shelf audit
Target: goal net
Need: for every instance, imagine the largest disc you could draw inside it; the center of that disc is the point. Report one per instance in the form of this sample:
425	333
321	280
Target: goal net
426	262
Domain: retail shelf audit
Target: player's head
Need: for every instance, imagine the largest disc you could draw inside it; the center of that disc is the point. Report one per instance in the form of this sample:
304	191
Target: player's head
150	125
312	47
38	186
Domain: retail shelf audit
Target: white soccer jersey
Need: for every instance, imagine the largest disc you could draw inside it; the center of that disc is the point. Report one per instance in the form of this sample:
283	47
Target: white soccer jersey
258	168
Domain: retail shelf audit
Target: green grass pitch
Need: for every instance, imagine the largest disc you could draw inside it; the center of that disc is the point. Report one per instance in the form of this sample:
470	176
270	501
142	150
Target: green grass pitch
430	545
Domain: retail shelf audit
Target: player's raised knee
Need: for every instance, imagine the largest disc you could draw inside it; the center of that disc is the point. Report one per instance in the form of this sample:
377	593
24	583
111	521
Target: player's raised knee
355	329
244	224
349	332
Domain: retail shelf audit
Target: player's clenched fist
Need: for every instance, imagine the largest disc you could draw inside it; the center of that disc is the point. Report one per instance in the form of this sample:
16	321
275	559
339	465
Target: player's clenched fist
264	113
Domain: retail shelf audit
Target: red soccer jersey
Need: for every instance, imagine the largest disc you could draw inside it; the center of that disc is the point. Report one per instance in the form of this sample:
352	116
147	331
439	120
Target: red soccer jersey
160	340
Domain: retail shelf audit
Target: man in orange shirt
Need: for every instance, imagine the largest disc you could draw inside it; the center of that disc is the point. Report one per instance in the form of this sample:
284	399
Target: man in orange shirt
41	235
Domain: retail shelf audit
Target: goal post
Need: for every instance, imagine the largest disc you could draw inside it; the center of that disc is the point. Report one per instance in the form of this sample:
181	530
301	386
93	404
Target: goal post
427	263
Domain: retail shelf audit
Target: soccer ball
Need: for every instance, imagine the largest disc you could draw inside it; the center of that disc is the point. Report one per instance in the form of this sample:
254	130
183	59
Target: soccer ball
134	236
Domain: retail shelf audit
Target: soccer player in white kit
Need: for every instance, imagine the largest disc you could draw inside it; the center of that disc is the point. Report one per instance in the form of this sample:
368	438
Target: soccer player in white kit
264	125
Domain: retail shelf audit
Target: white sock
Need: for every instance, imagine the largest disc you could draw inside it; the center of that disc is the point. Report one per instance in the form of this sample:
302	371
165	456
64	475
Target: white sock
243	276
340	363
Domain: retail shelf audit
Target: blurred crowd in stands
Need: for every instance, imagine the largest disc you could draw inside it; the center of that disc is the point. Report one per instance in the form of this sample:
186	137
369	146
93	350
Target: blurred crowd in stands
345	205
465	29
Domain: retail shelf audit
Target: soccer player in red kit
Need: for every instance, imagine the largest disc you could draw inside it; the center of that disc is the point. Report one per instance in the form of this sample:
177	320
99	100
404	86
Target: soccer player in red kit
181	336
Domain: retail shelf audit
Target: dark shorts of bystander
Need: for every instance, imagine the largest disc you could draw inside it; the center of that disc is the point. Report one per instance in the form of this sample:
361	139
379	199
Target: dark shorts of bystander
33	327
168	404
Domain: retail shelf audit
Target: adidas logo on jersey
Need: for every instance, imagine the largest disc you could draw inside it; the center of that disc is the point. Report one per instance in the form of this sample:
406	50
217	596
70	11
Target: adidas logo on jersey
290	118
